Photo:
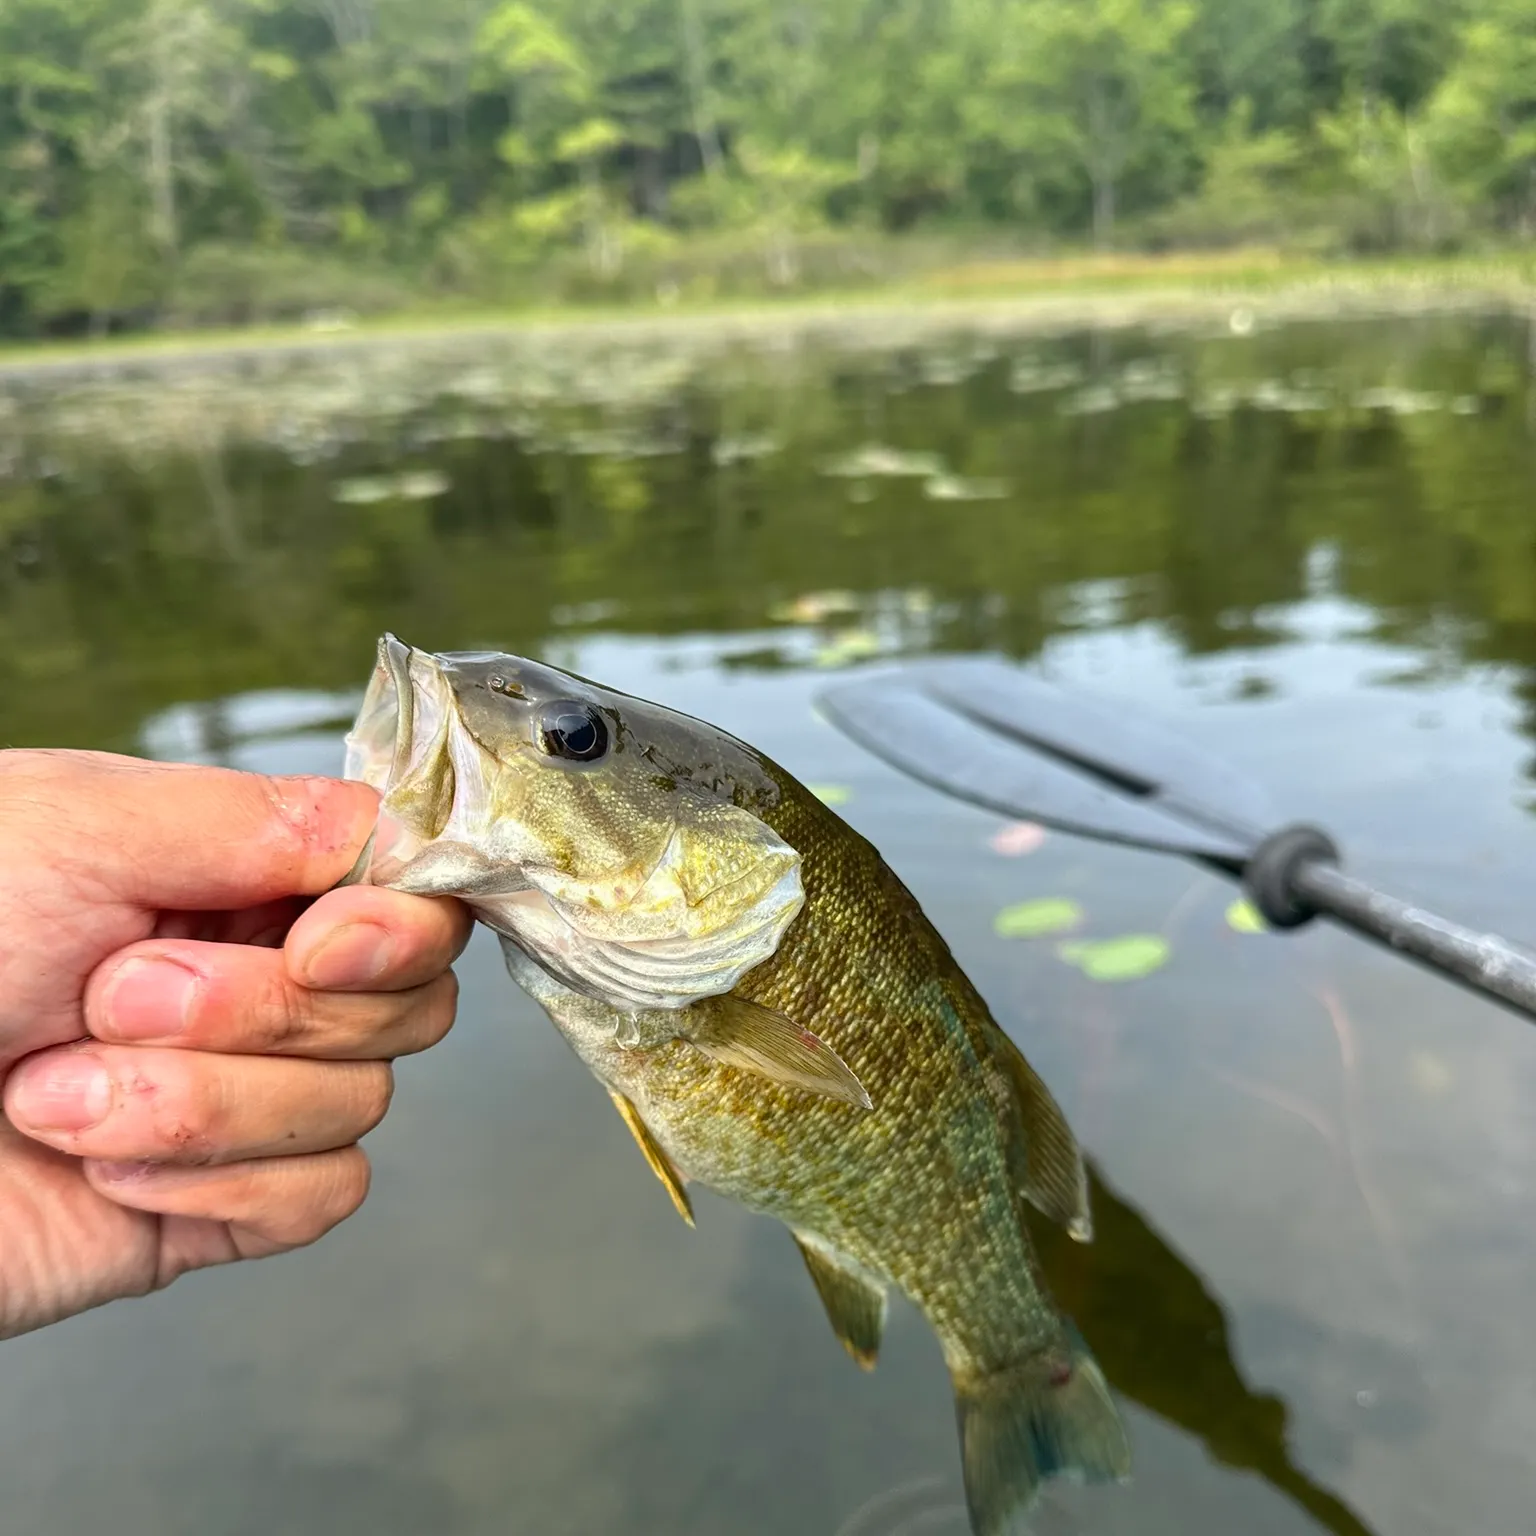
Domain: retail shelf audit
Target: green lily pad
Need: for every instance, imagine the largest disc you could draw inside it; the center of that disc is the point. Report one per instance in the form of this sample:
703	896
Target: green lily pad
1123	959
1032	919
848	646
1243	917
831	794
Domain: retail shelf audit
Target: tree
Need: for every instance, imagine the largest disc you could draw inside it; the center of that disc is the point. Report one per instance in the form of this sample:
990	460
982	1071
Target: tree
1482	120
1394	50
464	142
1099	84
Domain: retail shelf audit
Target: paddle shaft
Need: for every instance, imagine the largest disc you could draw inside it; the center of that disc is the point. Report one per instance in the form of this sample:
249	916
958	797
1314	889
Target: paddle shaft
1481	961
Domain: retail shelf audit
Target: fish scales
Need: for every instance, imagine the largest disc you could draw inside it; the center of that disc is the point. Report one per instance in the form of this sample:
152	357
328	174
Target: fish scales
918	1189
772	1012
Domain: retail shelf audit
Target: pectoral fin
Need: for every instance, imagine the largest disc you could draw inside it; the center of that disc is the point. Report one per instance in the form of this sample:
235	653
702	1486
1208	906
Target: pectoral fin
756	1039
854	1300
1055	1181
661	1165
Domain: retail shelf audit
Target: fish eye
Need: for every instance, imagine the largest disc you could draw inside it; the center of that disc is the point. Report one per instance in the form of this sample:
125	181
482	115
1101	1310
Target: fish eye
571	730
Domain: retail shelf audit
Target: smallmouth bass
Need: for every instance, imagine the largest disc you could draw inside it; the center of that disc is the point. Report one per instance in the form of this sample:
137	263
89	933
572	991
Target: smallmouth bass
771	1013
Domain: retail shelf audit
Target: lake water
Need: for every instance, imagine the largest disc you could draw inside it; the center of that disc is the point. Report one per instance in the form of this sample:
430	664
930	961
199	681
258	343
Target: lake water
1311	549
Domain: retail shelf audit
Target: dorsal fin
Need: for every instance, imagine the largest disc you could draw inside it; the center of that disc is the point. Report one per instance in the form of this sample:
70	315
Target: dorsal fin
655	1155
1054	1179
854	1299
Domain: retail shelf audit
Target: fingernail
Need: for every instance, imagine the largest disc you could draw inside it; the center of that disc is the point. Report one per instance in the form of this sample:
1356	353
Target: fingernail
64	1093
356	953
149	999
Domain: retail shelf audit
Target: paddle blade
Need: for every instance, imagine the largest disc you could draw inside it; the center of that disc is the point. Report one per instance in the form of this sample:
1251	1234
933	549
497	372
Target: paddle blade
915	720
1105	741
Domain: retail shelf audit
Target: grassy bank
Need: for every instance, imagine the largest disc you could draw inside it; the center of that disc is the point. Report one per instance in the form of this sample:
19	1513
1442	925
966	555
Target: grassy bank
1249	286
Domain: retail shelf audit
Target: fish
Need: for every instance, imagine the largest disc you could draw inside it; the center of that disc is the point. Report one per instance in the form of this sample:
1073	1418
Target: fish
772	1015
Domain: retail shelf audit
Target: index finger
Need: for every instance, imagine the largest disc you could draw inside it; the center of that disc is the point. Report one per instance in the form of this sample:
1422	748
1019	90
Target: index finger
186	837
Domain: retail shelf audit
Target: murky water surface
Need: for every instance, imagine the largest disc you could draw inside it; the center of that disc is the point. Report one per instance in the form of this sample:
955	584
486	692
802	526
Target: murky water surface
1311	549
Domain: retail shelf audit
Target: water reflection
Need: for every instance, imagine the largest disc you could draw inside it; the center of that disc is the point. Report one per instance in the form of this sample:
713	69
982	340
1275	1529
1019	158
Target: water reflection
1309	548
264	522
1162	1337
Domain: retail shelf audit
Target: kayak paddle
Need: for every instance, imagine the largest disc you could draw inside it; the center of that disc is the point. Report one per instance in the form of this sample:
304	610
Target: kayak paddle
995	736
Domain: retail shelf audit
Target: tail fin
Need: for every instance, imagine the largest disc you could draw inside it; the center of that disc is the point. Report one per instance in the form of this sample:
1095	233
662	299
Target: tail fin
1048	1416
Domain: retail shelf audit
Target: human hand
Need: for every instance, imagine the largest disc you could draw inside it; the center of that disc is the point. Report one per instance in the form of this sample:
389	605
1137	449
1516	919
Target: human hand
190	1044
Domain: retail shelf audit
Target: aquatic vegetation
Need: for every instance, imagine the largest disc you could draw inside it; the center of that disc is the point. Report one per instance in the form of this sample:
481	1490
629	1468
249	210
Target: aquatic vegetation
1030	376
955	488
1037	918
831	794
1017	838
814	607
876	461
411	485
848	646
1127	958
743	449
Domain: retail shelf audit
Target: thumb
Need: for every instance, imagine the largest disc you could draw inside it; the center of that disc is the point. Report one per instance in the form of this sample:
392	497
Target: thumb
181	837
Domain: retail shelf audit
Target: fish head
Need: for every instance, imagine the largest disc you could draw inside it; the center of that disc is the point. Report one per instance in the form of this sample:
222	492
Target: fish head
620	844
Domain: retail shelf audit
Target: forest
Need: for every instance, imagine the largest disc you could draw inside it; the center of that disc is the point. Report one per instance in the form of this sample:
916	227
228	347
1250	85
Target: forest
184	162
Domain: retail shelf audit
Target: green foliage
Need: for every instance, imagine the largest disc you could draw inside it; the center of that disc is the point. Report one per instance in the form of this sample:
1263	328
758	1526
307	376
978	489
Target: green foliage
469	147
1095	91
1482	120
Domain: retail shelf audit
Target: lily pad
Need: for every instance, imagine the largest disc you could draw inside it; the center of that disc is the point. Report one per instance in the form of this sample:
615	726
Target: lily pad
878	460
814	607
1124	959
1034	919
849	645
1017	839
1243	917
831	794
943	487
414	485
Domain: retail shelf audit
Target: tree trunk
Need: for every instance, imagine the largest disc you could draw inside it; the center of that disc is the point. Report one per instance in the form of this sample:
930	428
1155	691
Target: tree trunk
1101	168
1103	210
162	165
705	130
604	256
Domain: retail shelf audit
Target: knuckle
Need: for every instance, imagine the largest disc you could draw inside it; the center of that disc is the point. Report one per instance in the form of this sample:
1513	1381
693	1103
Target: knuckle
376	1087
351	1177
330	1191
431	1013
278	1014
187	1108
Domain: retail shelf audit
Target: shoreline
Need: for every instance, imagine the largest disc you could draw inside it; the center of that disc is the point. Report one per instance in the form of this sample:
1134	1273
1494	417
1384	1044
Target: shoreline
1315	294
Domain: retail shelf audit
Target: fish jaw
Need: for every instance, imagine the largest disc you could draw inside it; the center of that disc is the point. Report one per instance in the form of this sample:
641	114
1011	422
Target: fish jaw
692	899
429	838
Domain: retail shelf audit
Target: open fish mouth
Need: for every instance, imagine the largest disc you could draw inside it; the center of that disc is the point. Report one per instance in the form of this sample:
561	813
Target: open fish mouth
381	741
400	746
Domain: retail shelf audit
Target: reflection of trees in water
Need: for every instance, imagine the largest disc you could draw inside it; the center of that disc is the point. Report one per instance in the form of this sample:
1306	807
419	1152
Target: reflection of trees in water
134	579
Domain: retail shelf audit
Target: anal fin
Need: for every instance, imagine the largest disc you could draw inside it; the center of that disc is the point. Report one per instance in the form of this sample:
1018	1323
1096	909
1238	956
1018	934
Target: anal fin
1054	1181
655	1155
854	1299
